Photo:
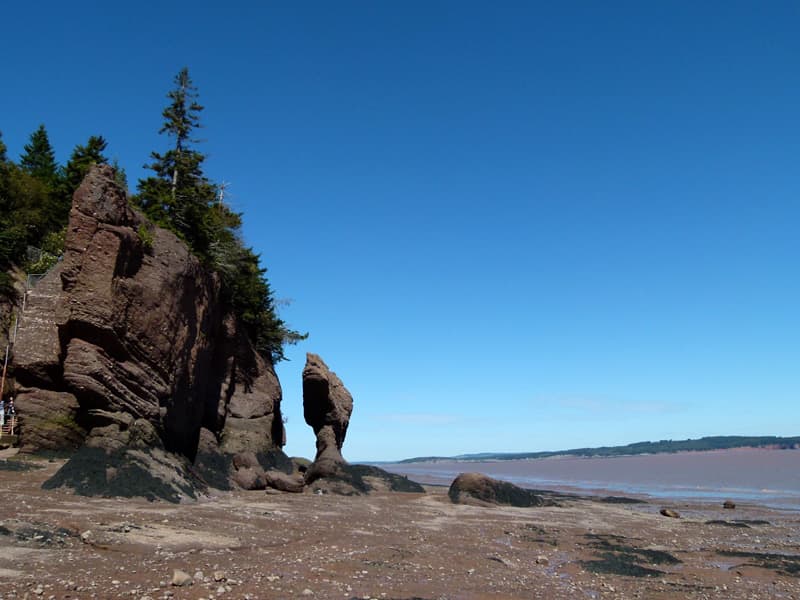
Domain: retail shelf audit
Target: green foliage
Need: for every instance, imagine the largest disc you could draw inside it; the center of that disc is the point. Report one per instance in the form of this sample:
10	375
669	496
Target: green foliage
39	159
54	242
26	214
181	198
146	236
52	247
3	150
35	201
120	176
81	160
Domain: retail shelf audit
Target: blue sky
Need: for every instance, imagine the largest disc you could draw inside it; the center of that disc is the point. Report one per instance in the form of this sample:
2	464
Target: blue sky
507	226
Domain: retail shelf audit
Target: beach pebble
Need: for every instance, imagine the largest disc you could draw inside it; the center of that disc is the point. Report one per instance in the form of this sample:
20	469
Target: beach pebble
668	512
181	578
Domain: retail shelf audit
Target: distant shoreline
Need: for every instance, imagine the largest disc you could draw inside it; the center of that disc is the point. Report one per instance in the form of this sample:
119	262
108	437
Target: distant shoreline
705	444
565	455
761	475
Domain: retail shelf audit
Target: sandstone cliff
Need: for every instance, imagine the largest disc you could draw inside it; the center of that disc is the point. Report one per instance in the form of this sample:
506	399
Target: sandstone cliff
128	335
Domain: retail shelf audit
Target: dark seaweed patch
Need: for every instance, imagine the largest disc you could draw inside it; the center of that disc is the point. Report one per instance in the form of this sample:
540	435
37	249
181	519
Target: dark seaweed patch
786	564
728	523
617	558
86	474
18	465
620	500
614	563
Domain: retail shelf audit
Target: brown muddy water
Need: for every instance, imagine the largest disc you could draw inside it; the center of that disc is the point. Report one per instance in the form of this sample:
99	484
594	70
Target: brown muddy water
765	476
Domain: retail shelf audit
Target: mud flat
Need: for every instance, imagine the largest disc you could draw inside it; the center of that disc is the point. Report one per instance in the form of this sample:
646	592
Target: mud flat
254	545
765	476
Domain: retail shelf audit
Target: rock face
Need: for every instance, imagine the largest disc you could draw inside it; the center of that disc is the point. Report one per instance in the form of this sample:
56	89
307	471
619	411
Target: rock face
130	323
478	488
327	406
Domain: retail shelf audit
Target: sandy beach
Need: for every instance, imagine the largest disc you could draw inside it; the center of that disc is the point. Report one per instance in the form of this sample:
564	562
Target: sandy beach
260	545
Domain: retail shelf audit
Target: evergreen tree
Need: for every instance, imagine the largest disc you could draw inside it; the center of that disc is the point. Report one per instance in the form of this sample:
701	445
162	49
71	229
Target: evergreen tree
3	149
81	159
180	195
39	159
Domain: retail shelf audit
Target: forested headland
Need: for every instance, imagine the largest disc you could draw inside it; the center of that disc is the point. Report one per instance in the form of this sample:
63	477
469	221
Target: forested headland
663	446
36	194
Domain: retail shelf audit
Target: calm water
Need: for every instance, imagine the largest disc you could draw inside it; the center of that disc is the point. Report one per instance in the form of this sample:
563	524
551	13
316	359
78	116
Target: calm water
767	477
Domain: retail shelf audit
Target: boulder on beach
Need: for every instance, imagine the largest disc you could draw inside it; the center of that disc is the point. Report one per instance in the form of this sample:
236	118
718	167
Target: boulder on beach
470	488
729	504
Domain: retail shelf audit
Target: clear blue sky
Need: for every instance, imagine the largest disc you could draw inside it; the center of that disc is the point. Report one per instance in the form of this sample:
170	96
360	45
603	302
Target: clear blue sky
507	226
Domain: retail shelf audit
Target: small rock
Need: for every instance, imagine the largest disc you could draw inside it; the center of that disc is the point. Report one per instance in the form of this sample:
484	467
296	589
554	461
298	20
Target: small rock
668	512
307	592
219	576
221	589
729	504
199	575
542	560
86	536
181	578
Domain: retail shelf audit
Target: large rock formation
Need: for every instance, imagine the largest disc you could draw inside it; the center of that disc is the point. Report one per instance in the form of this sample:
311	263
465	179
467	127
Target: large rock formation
130	323
327	406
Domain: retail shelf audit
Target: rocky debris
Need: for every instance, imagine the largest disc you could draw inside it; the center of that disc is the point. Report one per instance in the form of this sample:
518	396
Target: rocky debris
250	479
327	406
729	504
259	471
477	488
283	482
668	512
130	322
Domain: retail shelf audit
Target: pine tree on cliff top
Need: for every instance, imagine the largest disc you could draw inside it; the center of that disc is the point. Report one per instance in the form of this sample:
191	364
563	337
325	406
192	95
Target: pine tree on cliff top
39	159
181	198
81	159
179	195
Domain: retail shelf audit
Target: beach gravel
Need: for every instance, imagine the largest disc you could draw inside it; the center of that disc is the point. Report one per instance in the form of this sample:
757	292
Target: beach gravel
249	544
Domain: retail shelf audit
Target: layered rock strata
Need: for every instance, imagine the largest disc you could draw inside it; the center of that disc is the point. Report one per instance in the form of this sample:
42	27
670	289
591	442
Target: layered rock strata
130	323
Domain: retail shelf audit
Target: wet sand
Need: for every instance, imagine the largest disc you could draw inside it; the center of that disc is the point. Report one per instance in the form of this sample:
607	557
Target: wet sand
259	545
